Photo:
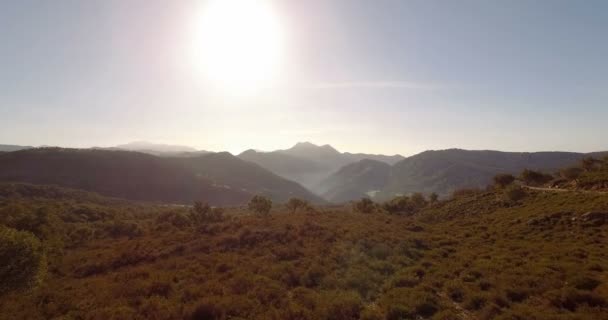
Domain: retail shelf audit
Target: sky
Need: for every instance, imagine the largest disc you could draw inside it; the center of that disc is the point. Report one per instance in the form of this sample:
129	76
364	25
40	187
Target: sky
382	76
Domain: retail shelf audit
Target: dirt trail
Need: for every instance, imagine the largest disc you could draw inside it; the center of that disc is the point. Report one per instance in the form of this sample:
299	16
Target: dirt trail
564	190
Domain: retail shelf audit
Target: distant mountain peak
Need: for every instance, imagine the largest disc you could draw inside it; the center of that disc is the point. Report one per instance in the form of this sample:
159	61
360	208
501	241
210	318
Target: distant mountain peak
305	144
308	146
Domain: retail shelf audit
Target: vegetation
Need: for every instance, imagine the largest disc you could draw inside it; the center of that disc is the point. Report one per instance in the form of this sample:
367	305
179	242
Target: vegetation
295	203
503	180
535	178
260	205
498	253
23	259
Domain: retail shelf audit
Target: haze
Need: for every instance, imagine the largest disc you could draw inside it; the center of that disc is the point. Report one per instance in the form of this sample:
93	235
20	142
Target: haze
383	76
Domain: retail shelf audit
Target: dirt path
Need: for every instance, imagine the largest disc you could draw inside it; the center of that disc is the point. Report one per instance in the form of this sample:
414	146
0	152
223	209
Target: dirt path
563	190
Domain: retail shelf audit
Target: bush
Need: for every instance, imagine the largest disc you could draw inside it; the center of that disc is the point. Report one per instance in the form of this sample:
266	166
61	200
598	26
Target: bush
503	180
295	203
206	311
514	193
465	192
22	260
571	173
365	205
585	283
260	205
405	204
340	306
535	178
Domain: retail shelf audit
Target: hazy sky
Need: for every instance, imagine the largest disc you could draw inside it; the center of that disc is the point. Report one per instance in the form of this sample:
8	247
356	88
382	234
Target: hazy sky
381	76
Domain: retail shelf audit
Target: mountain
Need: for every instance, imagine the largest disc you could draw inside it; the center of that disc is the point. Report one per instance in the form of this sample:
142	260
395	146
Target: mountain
308	164
440	171
157	149
356	180
11	148
220	179
149	146
447	170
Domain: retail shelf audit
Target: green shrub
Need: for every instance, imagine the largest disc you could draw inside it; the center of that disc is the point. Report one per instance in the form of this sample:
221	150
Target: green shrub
571	173
22	260
503	180
514	193
534	178
260	205
294	204
365	205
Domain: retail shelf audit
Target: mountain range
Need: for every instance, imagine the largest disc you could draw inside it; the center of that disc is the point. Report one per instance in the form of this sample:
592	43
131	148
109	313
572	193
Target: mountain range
178	174
309	164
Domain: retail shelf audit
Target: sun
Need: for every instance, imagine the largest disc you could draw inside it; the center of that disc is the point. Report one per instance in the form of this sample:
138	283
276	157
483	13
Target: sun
239	44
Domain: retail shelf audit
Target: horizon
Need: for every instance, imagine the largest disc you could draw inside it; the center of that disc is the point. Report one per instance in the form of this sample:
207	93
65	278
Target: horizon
388	77
236	153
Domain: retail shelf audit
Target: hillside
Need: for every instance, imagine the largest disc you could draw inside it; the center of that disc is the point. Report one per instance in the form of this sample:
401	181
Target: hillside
305	171
138	176
224	168
356	180
444	171
473	257
447	170
308	164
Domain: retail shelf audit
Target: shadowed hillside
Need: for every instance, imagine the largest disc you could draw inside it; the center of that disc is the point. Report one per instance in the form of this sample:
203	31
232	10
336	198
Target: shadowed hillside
356	180
132	175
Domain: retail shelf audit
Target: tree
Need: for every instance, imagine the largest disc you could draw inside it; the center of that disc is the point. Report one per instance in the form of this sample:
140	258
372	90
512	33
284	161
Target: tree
589	163
433	197
571	173
418	201
260	205
405	204
295	203
365	205
503	180
199	214
22	260
531	177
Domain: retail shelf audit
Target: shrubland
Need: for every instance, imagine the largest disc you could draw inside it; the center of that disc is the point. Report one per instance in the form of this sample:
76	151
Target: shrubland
506	252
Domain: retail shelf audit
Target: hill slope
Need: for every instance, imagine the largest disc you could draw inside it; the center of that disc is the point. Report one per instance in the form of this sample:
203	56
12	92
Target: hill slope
224	168
138	176
445	171
355	181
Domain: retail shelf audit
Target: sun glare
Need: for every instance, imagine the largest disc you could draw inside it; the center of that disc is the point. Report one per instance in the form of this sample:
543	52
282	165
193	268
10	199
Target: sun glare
239	44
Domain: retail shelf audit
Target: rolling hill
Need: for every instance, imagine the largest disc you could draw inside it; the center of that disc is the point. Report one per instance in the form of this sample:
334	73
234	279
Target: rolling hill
220	179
